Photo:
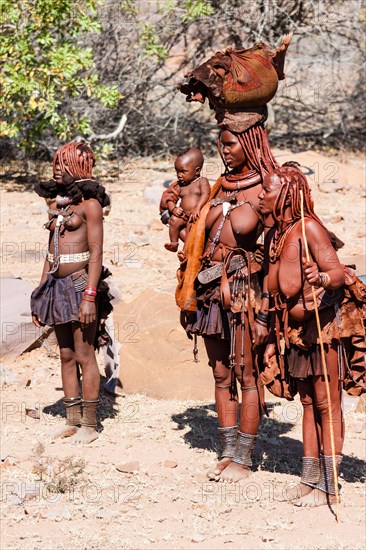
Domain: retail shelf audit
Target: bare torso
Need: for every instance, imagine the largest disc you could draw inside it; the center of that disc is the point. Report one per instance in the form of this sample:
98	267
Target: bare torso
286	274
190	195
73	238
240	229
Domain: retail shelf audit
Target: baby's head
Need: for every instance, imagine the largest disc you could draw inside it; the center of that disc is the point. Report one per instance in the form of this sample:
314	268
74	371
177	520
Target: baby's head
188	165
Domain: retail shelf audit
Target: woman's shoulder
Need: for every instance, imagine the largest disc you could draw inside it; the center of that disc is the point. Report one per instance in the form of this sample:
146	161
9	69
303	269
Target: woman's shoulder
92	207
314	228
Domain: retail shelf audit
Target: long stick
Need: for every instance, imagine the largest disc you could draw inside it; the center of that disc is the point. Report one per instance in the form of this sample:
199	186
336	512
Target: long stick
324	365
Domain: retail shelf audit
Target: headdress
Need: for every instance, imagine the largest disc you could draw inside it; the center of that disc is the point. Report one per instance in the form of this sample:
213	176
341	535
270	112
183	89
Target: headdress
238	83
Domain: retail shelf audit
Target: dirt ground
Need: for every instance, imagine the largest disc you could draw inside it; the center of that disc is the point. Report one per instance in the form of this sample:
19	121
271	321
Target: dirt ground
143	483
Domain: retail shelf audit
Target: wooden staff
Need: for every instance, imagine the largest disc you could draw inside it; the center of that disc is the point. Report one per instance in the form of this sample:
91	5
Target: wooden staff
324	365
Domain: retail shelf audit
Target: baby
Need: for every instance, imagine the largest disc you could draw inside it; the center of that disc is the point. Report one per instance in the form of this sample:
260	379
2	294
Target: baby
192	189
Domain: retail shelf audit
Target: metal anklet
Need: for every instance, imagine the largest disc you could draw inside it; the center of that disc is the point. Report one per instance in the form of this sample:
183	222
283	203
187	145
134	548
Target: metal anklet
310	471
73	410
326	479
228	437
90	413
243	451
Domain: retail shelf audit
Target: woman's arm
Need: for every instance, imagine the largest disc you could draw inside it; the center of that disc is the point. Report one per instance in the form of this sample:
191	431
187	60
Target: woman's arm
94	227
325	270
46	268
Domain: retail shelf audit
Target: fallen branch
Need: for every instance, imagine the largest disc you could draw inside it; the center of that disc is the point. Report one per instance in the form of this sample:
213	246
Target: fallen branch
112	135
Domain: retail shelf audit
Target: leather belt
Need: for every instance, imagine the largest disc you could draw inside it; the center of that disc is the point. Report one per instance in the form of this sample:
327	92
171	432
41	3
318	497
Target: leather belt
215	272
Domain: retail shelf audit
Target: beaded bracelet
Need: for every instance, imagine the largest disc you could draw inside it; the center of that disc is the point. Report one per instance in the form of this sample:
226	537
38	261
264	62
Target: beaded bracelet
88	298
90	291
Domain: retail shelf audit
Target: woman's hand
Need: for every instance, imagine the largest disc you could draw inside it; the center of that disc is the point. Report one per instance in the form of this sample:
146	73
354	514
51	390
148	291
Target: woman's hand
268	354
185	318
311	272
36	321
261	334
87	313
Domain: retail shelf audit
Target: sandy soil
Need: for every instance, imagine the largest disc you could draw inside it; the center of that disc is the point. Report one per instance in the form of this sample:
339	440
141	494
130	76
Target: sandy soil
55	495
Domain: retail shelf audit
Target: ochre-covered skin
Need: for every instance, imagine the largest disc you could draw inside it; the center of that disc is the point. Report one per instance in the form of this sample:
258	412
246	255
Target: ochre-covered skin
81	230
289	279
191	189
240	230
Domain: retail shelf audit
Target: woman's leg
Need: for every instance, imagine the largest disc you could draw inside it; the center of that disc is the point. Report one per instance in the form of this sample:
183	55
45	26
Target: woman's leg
311	422
70	382
321	400
226	407
250	415
311	442
320	496
252	393
85	356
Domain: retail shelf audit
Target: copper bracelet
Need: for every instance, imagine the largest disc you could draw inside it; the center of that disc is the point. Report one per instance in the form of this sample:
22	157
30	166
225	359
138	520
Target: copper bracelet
324	279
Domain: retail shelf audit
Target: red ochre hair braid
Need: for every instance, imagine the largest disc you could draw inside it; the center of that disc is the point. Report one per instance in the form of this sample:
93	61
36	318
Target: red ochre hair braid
75	158
292	182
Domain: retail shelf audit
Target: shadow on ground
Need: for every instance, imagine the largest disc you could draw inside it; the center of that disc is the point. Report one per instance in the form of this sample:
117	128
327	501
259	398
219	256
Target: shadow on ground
274	452
108	407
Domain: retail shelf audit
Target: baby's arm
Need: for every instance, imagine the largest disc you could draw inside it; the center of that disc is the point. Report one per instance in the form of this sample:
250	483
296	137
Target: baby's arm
204	196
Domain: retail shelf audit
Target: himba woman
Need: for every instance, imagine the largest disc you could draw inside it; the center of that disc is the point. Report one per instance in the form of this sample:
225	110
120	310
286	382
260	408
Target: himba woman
71	295
290	278
219	279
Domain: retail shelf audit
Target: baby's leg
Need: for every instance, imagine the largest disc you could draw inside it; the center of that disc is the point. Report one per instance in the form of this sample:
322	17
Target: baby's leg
70	382
85	356
175	226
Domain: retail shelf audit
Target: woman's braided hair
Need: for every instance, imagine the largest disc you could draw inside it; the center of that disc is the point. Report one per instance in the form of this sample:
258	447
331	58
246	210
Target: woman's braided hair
76	161
288	202
292	182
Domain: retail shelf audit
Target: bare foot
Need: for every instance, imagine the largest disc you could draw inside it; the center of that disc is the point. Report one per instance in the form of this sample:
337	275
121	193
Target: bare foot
315	498
84	436
234	473
173	247
65	431
292	493
213	475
